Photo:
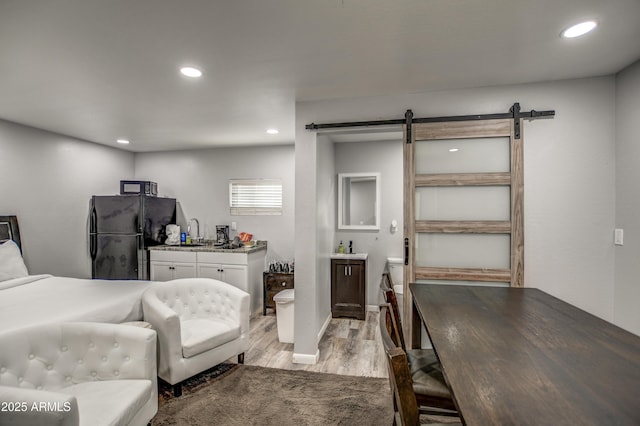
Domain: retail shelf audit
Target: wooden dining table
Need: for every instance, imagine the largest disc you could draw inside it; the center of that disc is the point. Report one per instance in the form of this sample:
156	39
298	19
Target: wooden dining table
519	356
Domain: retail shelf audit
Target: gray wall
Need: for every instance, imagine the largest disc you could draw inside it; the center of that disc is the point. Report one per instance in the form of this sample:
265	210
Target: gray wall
627	289
581	180
569	180
385	158
326	214
47	180
308	305
199	179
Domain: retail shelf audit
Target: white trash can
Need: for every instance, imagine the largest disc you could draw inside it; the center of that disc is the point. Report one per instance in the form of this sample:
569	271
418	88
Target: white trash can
284	314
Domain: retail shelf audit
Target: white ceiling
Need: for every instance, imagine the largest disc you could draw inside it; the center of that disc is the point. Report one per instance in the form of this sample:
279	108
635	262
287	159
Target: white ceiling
106	69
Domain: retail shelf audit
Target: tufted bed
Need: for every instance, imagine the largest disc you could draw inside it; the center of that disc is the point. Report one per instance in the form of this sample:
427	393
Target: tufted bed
28	300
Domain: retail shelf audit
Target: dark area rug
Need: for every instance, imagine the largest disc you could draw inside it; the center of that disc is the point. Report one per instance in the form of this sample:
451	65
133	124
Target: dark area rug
165	390
248	395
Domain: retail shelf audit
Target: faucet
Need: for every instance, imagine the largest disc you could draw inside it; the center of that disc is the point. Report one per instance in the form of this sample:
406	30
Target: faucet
197	236
350	246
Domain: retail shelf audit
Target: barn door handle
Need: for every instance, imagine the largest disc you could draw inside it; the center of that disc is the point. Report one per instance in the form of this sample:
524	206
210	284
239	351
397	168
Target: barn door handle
406	251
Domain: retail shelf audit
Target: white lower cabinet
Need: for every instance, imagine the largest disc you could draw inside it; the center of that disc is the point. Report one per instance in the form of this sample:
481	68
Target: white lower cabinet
166	266
242	270
235	275
167	271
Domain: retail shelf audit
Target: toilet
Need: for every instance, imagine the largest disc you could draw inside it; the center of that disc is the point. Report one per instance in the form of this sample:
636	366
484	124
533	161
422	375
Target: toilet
395	266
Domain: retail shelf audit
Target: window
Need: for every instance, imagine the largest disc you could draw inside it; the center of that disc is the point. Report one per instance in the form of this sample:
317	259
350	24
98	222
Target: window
255	197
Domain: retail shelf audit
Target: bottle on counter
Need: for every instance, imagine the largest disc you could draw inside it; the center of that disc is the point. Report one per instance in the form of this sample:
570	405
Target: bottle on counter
341	248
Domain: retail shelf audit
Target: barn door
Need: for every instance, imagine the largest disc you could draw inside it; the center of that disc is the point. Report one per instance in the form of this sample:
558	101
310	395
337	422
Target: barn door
463	205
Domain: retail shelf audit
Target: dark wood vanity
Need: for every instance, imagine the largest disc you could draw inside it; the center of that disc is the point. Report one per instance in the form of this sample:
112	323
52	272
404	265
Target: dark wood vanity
348	287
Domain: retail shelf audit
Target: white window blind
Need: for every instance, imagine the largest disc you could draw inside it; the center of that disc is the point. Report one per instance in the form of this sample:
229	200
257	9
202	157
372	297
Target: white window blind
255	197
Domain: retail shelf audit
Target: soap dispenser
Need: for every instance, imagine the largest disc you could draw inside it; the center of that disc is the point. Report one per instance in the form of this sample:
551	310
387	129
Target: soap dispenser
341	248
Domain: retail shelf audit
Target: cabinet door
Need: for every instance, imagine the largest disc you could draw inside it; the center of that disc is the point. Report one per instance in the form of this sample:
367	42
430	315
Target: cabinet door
209	270
236	275
161	271
348	285
184	270
347	289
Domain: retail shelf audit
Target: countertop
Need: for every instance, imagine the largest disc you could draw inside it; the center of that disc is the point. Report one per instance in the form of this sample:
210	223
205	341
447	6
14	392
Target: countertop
208	246
350	256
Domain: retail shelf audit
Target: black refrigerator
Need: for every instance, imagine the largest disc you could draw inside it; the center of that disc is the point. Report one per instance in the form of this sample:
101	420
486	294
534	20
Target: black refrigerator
121	228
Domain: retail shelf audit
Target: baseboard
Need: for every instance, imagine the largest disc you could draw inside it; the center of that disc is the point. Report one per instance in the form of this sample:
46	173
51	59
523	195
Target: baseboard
324	328
373	308
312	359
306	358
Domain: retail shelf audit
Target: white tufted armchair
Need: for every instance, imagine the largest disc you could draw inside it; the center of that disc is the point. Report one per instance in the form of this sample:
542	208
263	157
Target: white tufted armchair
78	374
201	322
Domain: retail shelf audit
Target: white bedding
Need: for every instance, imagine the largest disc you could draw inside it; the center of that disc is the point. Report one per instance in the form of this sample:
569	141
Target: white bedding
40	299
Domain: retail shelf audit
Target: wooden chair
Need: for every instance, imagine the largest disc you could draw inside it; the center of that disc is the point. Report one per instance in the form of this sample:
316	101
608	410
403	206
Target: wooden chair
428	381
389	294
405	405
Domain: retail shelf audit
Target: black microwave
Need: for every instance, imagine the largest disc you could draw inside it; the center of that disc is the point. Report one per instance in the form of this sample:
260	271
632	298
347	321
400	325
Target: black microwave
138	187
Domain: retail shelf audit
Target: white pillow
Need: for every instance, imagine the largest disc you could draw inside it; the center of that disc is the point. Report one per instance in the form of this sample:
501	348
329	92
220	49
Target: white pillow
11	263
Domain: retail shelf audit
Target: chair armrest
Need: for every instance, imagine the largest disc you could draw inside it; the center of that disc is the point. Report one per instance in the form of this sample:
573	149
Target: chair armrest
31	407
167	323
238	306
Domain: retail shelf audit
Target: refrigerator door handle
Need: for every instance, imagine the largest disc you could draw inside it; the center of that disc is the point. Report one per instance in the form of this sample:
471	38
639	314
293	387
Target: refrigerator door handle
93	220
141	215
93	229
93	245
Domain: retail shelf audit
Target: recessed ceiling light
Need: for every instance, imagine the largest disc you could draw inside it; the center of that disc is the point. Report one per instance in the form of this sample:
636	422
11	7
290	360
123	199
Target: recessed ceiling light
273	131
454	150
579	29
191	72
123	141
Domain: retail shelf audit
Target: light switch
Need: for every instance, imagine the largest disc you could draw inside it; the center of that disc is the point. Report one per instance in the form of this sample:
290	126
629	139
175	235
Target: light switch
233	226
618	238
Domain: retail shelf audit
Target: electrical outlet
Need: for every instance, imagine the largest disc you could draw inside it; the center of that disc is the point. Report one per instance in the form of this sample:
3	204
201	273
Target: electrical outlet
618	238
234	226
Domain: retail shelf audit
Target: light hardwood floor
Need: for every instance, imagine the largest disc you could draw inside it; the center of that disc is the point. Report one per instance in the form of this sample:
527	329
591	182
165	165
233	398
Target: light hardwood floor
348	347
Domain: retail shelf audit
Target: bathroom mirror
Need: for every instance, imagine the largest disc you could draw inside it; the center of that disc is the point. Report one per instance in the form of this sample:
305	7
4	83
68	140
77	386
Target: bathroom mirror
359	201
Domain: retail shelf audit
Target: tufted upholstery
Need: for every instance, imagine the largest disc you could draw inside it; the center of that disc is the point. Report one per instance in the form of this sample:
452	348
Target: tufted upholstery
201	322
84	373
